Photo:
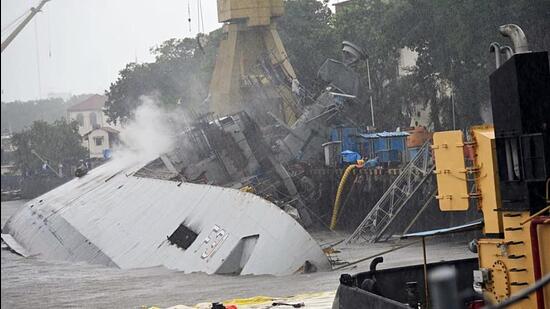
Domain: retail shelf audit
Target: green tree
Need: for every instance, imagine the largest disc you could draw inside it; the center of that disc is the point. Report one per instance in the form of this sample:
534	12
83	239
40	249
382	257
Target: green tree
365	23
451	39
58	142
18	115
180	74
308	37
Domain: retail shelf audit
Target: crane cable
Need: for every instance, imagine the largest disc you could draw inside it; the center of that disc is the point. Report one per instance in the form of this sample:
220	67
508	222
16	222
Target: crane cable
37	59
200	20
15	21
189	14
49	35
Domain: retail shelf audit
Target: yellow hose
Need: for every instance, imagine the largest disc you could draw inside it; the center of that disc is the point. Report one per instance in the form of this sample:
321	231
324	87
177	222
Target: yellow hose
336	208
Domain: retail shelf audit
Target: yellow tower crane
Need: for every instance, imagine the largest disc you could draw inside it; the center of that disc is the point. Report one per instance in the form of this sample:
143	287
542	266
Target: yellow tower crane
252	71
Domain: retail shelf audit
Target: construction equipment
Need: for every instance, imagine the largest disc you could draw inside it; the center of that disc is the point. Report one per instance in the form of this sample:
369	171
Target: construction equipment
33	11
252	71
502	169
509	172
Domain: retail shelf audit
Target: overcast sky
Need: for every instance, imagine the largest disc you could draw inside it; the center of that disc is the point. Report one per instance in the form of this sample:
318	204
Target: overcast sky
79	46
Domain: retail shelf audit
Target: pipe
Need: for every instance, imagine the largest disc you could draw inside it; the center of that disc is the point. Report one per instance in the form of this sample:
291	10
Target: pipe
517	36
426	287
545	209
536	254
444	289
507	50
336	208
548	191
495	48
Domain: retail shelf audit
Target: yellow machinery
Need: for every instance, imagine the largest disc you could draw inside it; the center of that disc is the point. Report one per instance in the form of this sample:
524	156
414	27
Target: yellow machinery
506	260
505	171
252	71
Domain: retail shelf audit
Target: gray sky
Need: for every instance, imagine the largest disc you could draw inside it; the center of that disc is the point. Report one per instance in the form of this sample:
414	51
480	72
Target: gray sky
82	45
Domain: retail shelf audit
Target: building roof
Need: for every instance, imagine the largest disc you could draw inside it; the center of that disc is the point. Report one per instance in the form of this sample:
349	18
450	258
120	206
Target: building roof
106	129
93	103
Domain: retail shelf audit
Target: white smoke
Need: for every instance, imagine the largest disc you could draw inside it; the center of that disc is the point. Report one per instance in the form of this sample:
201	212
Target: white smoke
148	135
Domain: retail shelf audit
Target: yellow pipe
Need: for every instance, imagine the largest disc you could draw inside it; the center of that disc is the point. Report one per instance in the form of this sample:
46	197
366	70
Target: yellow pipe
336	208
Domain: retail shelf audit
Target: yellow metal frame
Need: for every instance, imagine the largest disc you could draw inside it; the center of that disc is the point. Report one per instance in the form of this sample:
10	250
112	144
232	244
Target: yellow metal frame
450	169
512	253
486	178
507	256
249	34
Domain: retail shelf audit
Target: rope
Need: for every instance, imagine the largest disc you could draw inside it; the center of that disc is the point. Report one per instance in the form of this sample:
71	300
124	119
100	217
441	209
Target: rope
522	294
376	255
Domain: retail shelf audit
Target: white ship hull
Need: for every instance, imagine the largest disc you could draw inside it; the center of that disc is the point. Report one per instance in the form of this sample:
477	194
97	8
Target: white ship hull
114	218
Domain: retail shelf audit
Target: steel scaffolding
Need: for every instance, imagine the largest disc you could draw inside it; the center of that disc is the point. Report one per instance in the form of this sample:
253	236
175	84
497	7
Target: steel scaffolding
417	171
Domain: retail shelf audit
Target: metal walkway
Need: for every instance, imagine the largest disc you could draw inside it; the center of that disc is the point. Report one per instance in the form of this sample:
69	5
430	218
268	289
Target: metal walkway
415	173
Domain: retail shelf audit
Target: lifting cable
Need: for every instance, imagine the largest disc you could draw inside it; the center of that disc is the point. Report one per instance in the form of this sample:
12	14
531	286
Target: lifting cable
376	255
49	34
37	58
200	19
189	13
14	21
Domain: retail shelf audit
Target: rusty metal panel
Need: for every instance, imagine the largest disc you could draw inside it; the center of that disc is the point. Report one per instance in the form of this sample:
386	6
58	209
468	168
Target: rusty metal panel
450	169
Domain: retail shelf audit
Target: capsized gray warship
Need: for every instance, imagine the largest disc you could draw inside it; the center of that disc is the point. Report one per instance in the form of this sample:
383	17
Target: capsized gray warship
115	217
188	209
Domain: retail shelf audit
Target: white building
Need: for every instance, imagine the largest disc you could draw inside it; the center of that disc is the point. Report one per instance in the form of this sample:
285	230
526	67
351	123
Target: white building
97	134
99	140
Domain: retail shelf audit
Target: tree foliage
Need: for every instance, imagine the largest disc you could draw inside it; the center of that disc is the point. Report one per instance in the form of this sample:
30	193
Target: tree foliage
451	39
58	142
180	74
18	115
308	37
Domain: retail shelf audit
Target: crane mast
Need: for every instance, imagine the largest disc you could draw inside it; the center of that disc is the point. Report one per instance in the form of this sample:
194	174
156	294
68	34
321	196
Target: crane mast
33	12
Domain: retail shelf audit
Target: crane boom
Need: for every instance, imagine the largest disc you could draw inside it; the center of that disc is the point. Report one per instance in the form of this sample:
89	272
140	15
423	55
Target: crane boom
22	25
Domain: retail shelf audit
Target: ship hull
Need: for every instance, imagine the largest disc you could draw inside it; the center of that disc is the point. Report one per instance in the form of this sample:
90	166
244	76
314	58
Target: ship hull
114	218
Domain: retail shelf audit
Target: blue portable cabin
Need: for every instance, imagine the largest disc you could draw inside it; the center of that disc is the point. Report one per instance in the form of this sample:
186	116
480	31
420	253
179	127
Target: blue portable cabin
389	147
349	138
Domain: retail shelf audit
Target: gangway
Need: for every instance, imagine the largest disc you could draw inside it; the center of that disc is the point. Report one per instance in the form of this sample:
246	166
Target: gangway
413	176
